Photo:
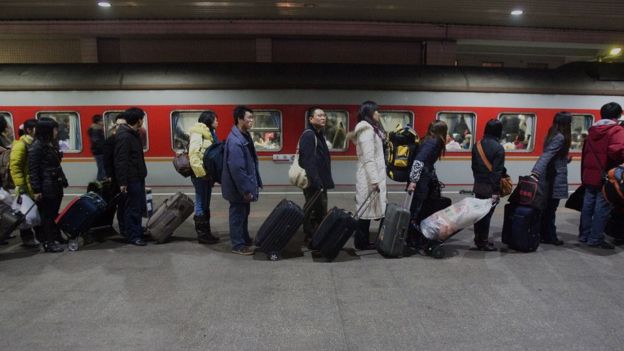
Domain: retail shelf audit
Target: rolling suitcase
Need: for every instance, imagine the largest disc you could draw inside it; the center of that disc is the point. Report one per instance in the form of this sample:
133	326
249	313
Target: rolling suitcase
335	230
521	228
10	220
394	228
279	227
169	216
107	193
79	215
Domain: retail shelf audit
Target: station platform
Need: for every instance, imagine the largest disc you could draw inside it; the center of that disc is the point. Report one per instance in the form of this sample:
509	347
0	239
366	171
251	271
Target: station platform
185	296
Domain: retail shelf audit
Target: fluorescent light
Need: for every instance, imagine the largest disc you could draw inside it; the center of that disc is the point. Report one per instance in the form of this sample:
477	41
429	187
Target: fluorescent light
517	12
104	4
615	51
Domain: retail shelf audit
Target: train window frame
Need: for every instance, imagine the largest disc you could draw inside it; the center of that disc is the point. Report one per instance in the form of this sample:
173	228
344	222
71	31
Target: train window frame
171	126
534	131
11	122
411	113
145	125
281	128
593	117
79	127
474	128
346	112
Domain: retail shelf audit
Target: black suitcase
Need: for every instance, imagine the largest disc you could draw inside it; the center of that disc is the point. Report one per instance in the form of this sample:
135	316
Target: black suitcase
279	228
79	215
108	194
10	220
521	228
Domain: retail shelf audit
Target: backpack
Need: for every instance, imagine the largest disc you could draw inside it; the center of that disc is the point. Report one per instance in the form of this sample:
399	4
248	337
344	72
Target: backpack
213	161
5	171
613	188
402	148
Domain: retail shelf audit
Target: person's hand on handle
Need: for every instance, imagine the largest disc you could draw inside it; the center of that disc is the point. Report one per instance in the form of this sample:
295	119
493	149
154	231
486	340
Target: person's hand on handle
375	187
248	197
411	187
495	199
123	189
37	196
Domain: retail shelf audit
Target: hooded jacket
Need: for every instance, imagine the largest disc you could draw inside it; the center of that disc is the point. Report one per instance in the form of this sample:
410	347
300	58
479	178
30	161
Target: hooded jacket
19	164
44	167
552	168
603	149
371	169
240	168
200	140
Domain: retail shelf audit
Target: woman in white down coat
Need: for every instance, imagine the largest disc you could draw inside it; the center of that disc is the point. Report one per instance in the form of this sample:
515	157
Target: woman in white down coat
369	138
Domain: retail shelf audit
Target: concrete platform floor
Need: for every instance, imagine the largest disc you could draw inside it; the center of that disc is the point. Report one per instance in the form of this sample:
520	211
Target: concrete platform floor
186	296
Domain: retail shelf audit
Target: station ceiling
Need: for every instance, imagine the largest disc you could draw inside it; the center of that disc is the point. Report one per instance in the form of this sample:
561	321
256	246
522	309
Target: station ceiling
606	15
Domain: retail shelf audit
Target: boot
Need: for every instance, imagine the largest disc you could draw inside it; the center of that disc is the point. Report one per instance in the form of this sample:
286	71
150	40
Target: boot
52	246
204	234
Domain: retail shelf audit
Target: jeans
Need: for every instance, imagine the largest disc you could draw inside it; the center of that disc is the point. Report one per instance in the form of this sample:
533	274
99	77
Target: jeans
594	216
134	206
239	233
49	209
99	161
203	193
315	211
482	227
548	229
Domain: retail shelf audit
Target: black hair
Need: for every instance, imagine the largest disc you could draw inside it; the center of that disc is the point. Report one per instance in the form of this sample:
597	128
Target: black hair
3	124
44	129
562	123
133	115
28	125
239	113
207	118
367	110
438	130
612	110
494	128
96	118
310	112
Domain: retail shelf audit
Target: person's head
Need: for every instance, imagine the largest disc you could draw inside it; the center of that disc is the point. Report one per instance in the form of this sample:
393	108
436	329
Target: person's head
243	117
562	123
438	130
209	118
369	112
134	117
4	125
97	119
494	128
316	117
46	130
612	110
29	127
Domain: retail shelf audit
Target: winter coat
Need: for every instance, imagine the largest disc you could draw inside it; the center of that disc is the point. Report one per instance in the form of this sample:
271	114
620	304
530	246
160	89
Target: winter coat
603	150
315	159
487	183
552	168
200	140
96	136
128	156
44	167
19	164
240	169
371	169
109	156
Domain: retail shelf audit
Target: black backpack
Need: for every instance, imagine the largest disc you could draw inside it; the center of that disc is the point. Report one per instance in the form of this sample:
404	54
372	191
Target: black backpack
213	161
402	148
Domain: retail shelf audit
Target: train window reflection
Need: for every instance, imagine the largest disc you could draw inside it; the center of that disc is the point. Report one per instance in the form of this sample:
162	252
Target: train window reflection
267	130
580	130
7	136
109	127
336	128
181	122
392	120
518	131
461	126
69	137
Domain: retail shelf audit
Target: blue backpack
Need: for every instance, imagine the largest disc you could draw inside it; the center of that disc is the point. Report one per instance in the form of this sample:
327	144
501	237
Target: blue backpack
213	161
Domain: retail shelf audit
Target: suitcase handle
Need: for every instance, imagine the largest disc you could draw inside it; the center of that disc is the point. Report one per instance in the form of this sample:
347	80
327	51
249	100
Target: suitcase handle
365	205
307	209
407	202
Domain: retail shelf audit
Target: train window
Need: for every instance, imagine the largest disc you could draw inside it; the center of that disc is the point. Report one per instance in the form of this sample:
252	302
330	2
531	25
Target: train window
109	123
69	137
391	120
181	122
7	137
267	130
518	131
580	129
336	128
461	126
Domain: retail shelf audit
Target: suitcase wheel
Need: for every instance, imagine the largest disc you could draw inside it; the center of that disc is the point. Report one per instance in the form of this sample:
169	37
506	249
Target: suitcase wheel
72	245
274	256
435	250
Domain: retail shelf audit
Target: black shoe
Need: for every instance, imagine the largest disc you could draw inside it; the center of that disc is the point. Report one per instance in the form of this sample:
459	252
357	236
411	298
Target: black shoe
603	245
53	247
138	242
489	247
369	246
245	251
556	242
4	242
30	243
207	239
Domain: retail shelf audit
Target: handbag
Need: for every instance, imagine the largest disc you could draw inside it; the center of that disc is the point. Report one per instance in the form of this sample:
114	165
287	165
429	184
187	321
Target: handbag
529	192
575	201
506	185
182	164
296	174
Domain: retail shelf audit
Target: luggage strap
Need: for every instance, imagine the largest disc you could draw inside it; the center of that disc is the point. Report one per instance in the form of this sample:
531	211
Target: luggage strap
487	163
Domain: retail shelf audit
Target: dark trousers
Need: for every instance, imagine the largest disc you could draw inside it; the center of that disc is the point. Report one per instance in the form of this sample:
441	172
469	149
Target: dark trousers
99	161
482	227
239	232
548	229
49	210
361	238
26	235
133	209
315	211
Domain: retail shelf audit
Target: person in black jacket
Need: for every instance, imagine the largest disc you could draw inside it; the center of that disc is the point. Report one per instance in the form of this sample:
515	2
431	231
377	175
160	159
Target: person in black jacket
315	159
96	136
47	180
486	182
130	172
109	167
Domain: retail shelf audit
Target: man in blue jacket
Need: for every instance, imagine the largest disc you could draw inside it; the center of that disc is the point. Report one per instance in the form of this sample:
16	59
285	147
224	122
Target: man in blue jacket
240	181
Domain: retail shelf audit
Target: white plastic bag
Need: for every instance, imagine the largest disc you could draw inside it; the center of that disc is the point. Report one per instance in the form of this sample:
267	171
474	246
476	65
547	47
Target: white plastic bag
6	197
442	224
24	204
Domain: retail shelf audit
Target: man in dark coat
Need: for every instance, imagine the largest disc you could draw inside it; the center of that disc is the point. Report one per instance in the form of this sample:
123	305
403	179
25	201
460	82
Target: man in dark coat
240	181
96	137
130	172
314	158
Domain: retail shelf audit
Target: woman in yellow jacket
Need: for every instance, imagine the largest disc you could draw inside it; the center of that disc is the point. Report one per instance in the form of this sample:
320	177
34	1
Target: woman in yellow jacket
202	135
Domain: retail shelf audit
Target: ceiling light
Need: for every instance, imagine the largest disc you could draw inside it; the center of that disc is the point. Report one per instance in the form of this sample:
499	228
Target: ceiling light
289	5
517	12
104	4
615	51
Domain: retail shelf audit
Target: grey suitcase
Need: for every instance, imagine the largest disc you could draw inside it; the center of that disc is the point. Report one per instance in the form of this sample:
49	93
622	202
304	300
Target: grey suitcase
393	229
169	216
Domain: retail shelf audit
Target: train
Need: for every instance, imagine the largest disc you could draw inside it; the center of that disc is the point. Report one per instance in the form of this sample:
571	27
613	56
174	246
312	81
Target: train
173	95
